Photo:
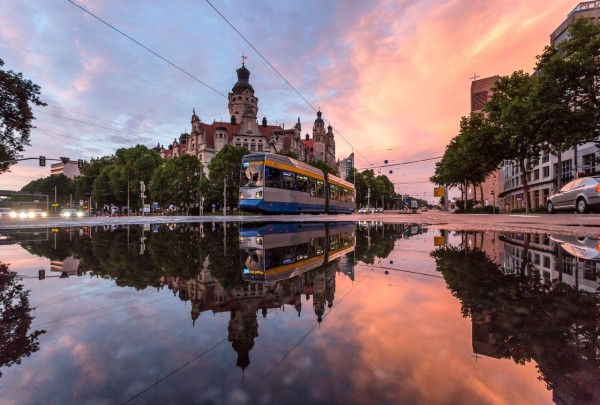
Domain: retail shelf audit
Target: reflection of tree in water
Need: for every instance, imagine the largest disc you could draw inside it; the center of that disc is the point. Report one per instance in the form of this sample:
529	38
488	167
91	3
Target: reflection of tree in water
378	241
15	320
527	319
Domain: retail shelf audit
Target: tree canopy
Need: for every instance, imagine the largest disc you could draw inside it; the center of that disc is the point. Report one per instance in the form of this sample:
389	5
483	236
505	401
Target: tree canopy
225	168
177	181
569	84
16	96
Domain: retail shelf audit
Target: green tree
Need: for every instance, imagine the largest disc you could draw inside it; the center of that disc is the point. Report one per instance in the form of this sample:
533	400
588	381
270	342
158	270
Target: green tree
118	181
226	167
60	183
471	157
84	183
177	181
324	167
513	112
569	87
288	153
16	95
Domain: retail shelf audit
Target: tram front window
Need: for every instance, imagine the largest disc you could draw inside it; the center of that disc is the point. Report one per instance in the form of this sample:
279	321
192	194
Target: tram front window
252	174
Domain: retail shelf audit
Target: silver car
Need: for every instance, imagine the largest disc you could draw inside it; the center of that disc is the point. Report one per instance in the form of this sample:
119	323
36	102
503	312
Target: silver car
579	195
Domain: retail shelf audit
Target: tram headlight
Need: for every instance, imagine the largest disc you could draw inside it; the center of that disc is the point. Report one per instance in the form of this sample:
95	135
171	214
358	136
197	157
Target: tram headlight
258	194
241	196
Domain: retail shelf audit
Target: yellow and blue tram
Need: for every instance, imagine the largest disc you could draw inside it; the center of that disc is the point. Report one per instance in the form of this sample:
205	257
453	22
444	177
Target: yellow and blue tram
278	251
278	184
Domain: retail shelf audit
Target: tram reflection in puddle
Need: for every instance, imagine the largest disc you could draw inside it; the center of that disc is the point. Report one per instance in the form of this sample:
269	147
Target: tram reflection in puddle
278	251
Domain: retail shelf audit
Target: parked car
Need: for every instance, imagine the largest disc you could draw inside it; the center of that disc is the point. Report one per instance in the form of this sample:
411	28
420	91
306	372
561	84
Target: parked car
7	213
379	210
424	209
366	210
71	213
579	195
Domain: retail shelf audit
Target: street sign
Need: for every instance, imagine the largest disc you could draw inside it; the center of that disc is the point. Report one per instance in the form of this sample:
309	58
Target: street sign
438	192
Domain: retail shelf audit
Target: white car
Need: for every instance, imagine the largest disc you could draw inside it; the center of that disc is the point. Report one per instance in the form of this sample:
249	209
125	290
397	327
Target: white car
71	213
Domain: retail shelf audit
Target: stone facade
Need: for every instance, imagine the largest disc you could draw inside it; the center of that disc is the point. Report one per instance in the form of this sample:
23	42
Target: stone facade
243	130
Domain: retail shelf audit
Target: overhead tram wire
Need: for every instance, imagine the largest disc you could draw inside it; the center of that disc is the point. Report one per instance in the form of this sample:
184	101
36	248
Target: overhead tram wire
400	164
202	82
102	119
280	75
148	49
90	123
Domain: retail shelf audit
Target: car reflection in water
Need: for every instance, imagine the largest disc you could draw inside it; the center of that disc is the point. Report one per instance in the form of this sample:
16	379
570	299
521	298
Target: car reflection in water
582	248
279	251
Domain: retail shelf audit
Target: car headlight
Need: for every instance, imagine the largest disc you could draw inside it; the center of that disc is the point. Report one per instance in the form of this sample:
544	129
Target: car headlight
80	214
44	214
13	214
31	215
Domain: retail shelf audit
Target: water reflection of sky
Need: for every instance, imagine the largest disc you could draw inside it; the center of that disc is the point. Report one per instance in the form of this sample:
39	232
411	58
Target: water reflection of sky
383	338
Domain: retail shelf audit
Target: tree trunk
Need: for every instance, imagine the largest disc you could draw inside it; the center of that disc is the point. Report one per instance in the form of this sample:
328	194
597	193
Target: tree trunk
575	162
465	199
558	173
525	185
481	193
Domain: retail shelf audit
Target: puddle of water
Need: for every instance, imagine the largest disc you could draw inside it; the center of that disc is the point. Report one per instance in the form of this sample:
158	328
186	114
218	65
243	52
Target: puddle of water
301	312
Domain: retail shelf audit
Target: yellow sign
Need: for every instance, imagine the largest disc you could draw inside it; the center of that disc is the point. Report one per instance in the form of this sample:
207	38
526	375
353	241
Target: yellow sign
54	230
55	204
439	241
438	192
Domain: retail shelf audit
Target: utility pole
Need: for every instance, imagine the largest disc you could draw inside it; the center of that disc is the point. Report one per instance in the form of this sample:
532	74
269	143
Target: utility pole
225	196
142	189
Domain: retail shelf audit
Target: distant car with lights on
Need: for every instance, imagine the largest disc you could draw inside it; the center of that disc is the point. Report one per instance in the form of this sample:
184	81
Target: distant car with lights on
7	213
71	213
31	213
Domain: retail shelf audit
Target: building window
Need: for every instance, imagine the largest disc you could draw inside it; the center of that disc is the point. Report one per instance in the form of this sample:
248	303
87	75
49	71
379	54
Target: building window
252	147
589	164
545	158
238	145
567	170
546	170
536	174
260	147
546	262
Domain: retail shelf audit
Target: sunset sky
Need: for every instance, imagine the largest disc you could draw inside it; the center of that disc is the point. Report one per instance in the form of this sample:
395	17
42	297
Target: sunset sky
392	77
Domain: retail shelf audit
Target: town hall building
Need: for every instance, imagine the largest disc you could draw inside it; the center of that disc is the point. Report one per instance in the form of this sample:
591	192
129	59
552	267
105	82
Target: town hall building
244	130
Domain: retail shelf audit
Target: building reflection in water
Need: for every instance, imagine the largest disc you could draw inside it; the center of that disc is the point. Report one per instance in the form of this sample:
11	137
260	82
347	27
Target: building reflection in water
279	263
532	297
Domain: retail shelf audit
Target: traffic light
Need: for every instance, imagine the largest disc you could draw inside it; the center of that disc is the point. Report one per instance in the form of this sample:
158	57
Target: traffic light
42	160
80	163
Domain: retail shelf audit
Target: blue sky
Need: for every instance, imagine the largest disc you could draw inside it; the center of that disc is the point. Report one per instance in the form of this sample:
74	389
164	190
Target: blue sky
392	77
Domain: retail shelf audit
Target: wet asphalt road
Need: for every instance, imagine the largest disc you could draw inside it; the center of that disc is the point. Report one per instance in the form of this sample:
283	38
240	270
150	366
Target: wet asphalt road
579	224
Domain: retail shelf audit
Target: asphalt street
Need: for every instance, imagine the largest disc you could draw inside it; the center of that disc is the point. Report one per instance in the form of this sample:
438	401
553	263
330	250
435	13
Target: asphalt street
577	224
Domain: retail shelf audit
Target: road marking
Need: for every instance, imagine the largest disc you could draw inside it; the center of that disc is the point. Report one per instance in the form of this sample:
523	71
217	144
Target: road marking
525	216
